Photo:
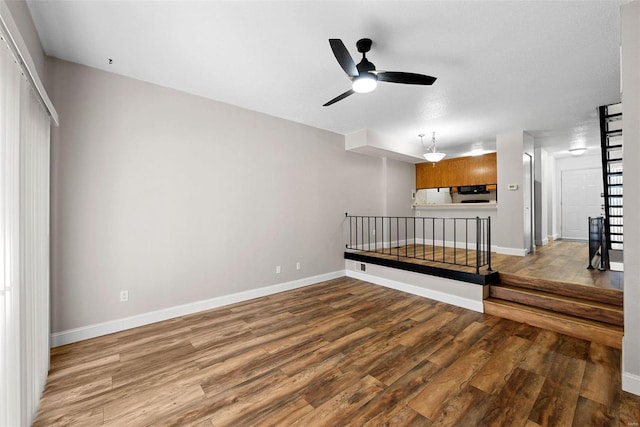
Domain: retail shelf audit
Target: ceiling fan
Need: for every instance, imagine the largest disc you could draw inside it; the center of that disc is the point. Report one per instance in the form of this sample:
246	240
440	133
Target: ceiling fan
364	76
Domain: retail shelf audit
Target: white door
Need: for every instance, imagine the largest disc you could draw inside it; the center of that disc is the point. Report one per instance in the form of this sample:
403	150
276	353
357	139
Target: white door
581	199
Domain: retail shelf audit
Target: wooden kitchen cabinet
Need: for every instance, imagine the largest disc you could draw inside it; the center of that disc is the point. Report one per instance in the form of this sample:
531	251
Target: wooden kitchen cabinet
476	170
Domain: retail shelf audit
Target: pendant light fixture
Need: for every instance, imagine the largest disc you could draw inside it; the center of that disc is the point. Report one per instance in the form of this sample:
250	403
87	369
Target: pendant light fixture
432	154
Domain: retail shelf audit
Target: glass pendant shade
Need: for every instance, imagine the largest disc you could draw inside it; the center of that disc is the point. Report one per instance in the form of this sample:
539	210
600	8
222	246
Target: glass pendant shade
432	154
434	157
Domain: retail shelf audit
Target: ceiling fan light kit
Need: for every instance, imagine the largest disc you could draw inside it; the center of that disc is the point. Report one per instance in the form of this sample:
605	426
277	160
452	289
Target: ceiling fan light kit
364	83
364	76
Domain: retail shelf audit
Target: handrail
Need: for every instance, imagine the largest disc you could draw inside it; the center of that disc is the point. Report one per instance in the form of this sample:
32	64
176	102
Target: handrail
458	241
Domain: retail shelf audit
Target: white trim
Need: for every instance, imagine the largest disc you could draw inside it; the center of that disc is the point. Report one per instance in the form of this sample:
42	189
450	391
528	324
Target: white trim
417	290
511	251
450	244
631	383
92	331
616	266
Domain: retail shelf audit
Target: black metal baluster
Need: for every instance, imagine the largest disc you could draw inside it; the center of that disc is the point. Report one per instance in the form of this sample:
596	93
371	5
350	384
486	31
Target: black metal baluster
466	240
433	239
444	259
424	241
414	237
489	243
397	237
406	237
478	245
454	241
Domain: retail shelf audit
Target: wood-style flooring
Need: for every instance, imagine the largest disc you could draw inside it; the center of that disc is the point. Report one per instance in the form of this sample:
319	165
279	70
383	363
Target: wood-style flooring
560	260
342	352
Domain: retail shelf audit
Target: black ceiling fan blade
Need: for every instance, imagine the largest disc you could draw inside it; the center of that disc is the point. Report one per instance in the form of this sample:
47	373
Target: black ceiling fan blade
344	58
340	97
406	78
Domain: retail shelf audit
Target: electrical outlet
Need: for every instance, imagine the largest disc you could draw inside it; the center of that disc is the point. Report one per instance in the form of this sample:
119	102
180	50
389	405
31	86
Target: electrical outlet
277	269
124	296
298	265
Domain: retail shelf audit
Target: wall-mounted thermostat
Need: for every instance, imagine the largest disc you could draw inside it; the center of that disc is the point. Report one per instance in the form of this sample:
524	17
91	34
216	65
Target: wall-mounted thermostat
512	186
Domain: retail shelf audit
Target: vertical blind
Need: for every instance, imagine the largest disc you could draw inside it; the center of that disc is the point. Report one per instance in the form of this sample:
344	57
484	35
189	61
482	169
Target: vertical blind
24	243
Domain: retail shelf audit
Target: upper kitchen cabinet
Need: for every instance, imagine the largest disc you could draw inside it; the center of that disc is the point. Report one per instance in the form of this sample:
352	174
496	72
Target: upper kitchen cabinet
476	170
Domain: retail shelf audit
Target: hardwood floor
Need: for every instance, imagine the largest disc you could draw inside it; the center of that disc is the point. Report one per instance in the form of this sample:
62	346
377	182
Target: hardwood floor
342	352
560	260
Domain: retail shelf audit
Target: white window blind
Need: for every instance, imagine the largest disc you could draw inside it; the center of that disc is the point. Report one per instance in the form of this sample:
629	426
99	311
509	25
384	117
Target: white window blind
24	243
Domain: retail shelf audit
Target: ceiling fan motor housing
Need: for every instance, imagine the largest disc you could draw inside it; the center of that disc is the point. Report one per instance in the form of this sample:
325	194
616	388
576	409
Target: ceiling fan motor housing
364	45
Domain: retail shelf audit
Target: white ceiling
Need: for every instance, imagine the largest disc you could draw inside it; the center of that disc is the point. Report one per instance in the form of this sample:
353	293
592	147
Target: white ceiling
542	67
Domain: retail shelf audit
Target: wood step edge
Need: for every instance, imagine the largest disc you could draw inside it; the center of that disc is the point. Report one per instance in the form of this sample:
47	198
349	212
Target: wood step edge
569	325
561	298
611	316
610	296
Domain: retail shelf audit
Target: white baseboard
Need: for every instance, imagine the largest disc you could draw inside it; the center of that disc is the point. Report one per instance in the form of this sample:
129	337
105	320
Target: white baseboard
554	237
450	244
631	383
616	266
511	251
92	331
419	291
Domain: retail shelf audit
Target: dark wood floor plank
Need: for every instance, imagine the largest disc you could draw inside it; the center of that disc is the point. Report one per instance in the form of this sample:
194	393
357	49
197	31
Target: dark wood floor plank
593	414
496	372
556	403
462	341
515	401
429	402
338	409
389	370
463	408
342	352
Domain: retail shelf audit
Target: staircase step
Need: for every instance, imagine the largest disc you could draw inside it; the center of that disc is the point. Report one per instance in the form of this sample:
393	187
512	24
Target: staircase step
575	290
578	307
569	325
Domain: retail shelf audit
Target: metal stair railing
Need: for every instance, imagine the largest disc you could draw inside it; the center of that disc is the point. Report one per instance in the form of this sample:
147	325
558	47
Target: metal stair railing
611	142
458	241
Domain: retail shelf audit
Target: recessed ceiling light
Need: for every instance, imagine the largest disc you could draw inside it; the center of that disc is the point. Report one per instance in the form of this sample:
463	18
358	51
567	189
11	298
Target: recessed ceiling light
577	151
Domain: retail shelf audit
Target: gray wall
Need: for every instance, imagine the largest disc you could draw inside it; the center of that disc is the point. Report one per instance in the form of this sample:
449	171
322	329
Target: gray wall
509	234
631	119
400	181
177	198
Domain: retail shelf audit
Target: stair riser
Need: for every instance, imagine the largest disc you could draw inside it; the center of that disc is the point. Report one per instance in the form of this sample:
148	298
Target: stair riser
582	310
574	329
607	296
